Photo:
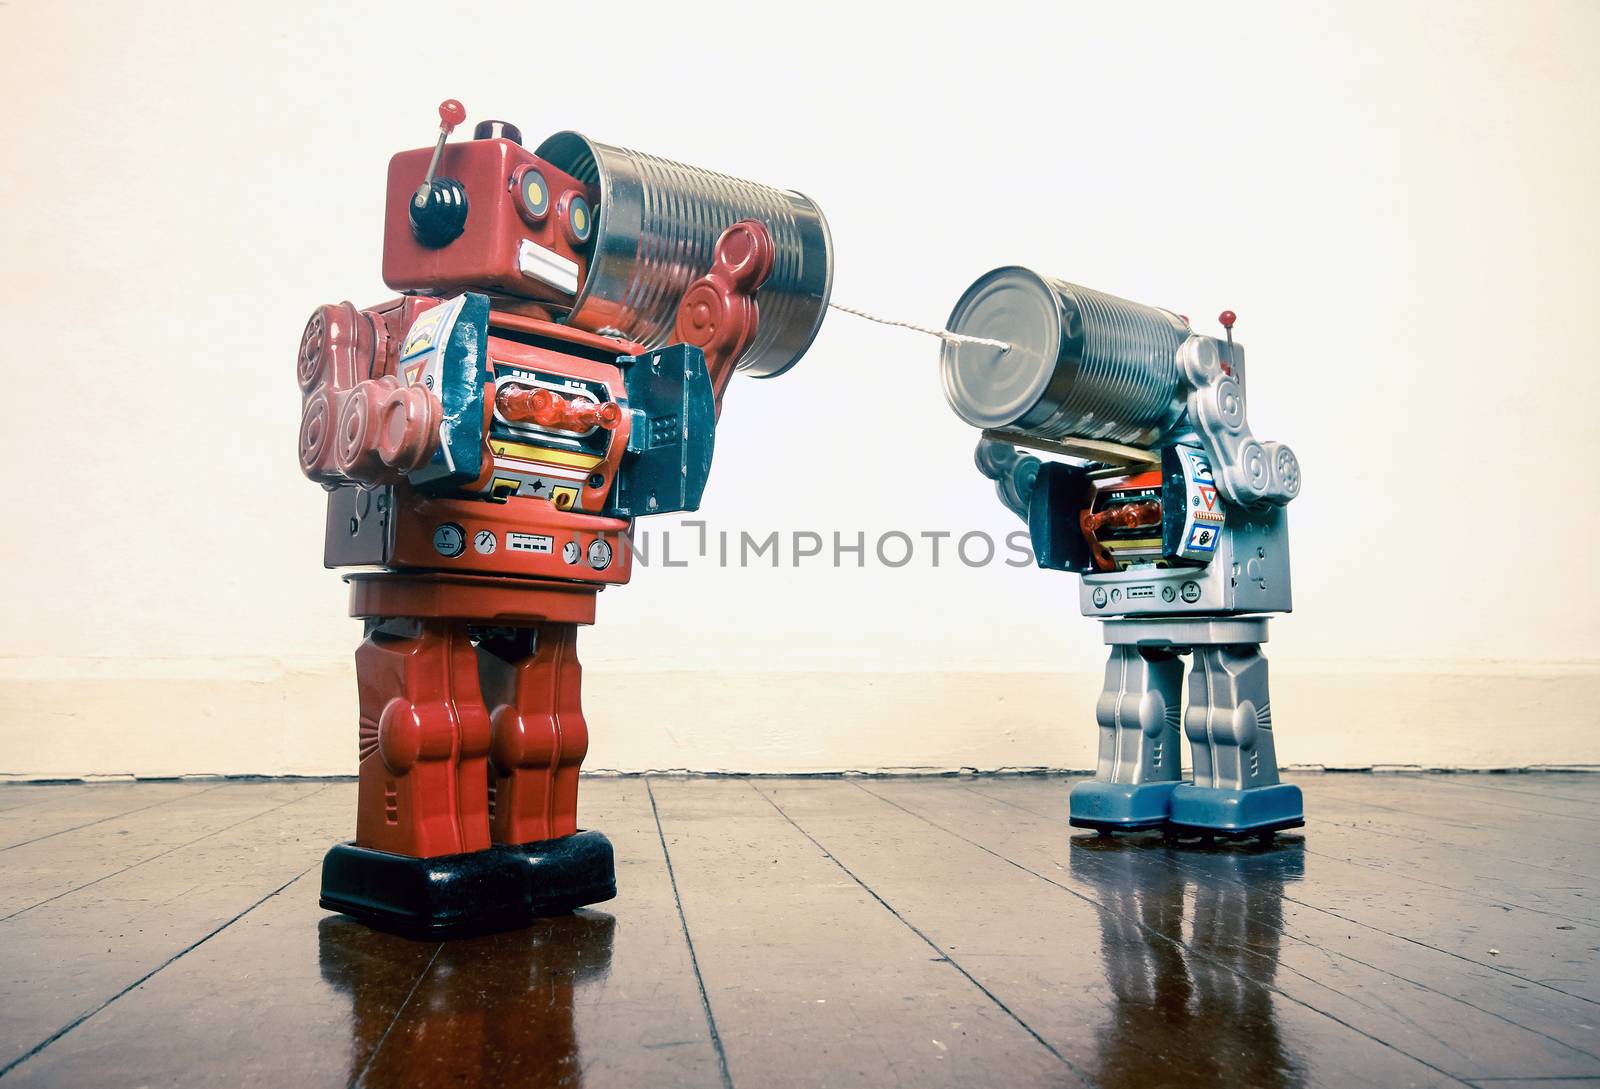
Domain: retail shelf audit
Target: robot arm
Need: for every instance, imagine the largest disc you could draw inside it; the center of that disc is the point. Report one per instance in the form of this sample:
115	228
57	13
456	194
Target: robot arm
675	393
1249	473
1052	497
718	313
357	428
1013	472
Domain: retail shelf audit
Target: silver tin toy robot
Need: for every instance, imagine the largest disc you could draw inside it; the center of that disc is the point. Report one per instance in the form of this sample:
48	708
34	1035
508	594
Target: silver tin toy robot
1172	513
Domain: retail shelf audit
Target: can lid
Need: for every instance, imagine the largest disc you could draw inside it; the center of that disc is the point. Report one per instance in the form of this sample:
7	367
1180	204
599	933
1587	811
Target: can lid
986	387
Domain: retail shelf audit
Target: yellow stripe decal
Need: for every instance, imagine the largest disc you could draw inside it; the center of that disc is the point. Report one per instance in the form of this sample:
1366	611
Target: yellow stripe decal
1143	542
544	454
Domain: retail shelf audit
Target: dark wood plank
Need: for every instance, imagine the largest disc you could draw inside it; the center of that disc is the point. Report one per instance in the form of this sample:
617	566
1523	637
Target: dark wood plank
1523	847
1500	824
65	958
290	995
1411	855
38	872
1531	948
1565	898
272	1000
603	998
1577	786
954	932
811	978
1107	972
1538	804
1233	911
38	812
1499	865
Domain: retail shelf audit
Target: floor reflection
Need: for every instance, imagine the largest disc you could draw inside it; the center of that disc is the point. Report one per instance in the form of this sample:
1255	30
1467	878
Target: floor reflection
492	1010
1196	1011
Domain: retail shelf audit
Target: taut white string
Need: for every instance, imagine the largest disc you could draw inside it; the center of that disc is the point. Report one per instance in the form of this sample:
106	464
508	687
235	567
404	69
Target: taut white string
943	334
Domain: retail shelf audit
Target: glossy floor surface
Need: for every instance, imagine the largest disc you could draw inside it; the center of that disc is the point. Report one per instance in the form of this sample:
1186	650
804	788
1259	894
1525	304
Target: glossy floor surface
944	932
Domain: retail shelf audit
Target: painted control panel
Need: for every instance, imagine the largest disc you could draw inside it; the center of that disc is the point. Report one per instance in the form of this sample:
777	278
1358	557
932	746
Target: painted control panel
1192	509
1249	572
517	537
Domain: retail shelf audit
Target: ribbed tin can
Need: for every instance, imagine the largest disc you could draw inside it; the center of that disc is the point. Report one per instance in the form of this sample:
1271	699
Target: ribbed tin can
657	224
1082	364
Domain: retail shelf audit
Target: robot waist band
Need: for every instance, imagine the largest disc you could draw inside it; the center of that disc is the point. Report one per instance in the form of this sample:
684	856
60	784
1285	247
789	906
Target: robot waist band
1185	631
483	598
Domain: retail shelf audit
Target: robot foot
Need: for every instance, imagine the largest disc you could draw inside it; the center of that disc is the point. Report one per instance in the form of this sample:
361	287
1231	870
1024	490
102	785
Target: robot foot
1119	807
479	892
1258	811
565	873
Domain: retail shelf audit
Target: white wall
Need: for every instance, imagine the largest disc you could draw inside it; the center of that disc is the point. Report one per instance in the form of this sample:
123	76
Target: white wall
1399	201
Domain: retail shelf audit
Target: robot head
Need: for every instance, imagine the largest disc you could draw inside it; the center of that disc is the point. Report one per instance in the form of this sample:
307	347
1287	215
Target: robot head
603	238
488	214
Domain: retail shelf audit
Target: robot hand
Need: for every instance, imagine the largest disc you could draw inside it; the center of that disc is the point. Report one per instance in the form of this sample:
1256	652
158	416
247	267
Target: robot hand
1050	496
386	430
1013	472
718	313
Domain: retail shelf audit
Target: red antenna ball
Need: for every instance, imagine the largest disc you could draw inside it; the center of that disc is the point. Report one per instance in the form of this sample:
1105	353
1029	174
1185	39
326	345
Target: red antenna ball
1227	318
451	114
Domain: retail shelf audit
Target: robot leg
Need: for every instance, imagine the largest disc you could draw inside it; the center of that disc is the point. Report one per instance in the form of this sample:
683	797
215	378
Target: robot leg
533	683
1229	725
1139	744
424	741
421	860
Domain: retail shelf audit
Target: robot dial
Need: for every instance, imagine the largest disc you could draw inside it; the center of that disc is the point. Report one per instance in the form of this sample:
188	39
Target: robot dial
599	555
449	540
571	552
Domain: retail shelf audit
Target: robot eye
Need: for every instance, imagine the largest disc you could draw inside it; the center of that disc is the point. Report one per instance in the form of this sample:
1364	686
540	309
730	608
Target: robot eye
533	194
579	220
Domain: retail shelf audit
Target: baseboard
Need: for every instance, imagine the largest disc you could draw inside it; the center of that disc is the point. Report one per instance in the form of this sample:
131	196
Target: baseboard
78	718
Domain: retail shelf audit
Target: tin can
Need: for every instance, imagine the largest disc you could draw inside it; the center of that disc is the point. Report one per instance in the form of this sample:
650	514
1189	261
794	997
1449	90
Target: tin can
657	224
1082	364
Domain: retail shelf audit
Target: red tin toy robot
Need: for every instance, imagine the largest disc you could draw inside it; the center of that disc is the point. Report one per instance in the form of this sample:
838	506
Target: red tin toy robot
554	367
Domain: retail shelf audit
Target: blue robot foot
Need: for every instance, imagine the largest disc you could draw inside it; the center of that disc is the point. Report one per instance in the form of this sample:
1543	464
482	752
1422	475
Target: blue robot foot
1119	807
1256	811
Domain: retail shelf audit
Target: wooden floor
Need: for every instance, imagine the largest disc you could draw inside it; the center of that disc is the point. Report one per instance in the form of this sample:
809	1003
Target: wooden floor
940	932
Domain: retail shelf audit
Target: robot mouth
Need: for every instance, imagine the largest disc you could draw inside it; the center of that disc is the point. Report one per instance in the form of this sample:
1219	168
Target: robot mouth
547	267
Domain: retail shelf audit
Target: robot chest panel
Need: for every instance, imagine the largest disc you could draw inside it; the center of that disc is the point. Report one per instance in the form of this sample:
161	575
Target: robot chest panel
563	459
556	426
1174	516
